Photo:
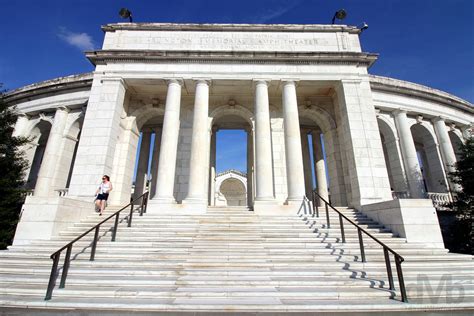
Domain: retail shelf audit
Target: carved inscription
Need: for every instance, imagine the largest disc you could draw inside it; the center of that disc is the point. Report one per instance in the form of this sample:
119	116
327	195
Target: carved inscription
241	41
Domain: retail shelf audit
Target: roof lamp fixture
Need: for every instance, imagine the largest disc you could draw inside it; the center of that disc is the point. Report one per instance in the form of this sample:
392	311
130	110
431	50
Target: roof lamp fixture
340	15
364	26
126	14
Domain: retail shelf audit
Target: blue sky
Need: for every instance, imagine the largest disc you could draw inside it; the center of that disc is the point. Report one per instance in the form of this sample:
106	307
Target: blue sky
428	42
423	41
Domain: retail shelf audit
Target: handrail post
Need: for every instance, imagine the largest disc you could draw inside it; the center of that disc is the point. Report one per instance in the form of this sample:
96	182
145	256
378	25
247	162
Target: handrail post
316	202
401	281
94	243
389	269
114	231
67	261
52	276
327	215
341	224
142	206
130	215
146	201
361	245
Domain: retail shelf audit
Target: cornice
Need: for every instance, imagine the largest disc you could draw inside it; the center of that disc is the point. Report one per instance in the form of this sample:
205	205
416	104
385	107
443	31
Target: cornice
230	27
410	89
50	86
130	56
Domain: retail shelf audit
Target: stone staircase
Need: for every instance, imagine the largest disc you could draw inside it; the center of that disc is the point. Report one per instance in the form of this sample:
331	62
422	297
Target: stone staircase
231	259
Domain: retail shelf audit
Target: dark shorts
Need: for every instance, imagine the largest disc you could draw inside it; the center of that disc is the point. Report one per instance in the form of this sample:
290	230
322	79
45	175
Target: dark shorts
103	196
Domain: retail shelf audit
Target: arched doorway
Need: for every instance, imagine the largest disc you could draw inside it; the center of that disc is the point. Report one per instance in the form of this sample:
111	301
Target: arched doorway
236	119
35	151
434	176
231	188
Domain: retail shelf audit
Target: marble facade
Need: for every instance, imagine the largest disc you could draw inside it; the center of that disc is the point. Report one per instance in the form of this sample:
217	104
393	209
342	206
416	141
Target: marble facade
293	88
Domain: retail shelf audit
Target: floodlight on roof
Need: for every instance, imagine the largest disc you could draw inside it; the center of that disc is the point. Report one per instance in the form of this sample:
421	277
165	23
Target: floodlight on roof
340	15
364	26
126	14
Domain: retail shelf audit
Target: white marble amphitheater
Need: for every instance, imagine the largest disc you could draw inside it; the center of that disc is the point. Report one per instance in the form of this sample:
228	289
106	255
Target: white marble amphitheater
378	148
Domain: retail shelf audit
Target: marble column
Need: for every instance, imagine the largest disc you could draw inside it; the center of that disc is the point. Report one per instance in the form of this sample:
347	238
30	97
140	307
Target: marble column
212	169
263	144
52	155
154	161
169	144
249	167
409	156
320	166
293	151
446	149
308	173
142	167
198	168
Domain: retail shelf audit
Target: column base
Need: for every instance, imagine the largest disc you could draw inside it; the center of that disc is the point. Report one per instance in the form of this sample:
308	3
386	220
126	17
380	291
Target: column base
161	207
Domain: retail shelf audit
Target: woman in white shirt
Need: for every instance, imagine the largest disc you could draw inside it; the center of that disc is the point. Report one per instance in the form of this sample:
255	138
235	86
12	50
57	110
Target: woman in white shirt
102	193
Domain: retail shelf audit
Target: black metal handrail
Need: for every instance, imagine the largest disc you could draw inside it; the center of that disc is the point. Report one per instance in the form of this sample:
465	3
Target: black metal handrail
67	260
386	249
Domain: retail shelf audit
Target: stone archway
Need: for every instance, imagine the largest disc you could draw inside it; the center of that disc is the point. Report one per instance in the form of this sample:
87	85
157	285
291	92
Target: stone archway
231	189
429	157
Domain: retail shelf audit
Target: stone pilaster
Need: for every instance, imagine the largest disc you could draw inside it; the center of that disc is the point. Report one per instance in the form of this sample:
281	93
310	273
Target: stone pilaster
99	136
45	185
169	144
249	167
409	156
361	144
212	170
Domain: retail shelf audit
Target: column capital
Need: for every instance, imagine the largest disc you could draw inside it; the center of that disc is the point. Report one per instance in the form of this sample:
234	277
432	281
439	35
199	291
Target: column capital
284	82
63	108
104	80
207	81
170	81
439	118
400	111
261	81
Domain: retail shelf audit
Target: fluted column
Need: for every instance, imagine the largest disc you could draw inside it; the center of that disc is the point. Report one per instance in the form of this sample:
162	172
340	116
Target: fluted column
169	144
52	155
308	174
409	156
320	166
154	161
199	146
142	168
263	144
294	157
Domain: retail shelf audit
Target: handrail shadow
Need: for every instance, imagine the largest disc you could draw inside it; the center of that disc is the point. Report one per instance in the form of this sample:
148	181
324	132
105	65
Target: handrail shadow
360	231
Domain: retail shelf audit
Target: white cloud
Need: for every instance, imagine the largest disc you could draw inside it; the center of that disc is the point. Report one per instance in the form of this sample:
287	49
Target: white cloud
83	41
276	11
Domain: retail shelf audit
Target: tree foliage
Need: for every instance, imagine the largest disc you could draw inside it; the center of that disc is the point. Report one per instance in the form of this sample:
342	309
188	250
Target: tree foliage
463	205
12	166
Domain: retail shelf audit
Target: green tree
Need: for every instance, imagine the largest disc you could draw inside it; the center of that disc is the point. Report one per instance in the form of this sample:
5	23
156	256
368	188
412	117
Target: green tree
463	230
12	166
